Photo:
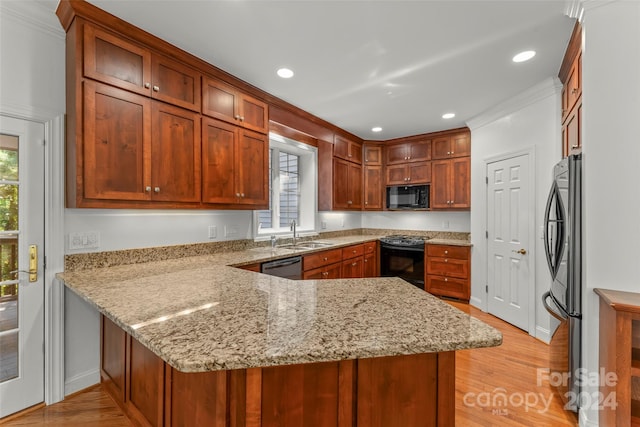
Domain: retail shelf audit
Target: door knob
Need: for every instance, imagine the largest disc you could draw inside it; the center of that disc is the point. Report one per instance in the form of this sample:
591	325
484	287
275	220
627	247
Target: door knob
33	265
521	251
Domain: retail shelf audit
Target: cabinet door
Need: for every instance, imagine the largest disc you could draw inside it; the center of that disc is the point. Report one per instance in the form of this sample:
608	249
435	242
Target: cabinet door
419	151
447	286
373	187
396	154
254	114
347	149
175	154
440	173
572	129
218	100
113	346
117	143
218	162
419	173
461	145
355	186
175	83
372	155
252	168
341	196
397	175
353	268
112	60
370	265
332	271
460	187
441	148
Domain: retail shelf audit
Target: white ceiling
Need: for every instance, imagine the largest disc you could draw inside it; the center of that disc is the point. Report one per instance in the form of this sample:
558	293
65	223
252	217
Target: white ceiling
358	64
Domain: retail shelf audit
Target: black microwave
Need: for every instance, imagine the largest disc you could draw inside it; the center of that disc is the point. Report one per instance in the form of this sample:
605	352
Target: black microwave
408	197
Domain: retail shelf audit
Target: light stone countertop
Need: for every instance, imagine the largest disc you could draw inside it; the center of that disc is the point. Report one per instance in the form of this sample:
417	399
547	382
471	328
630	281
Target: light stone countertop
199	314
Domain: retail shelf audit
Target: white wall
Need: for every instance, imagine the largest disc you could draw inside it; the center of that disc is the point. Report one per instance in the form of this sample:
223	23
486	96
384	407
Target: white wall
528	121
611	159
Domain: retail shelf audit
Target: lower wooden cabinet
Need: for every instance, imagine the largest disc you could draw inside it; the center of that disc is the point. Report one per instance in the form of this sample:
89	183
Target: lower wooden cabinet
355	261
448	271
409	391
331	271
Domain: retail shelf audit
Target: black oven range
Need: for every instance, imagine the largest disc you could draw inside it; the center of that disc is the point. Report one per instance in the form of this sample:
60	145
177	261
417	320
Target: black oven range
403	256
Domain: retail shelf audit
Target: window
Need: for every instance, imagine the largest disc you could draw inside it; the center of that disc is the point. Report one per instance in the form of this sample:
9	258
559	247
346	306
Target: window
292	188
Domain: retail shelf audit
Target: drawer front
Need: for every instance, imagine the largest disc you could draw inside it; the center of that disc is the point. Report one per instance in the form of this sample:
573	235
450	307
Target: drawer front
352	251
370	247
353	268
448	267
450	287
319	259
445	251
331	271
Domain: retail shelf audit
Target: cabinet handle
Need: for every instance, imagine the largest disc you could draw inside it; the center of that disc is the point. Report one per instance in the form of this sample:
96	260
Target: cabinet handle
237	194
354	264
156	89
237	117
409	158
448	152
349	202
147	85
242	118
325	259
241	194
349	155
157	189
446	260
325	273
366	260
575	146
147	189
452	152
574	90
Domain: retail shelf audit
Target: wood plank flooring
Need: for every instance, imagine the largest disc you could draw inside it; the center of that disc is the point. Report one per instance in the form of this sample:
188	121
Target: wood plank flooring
494	387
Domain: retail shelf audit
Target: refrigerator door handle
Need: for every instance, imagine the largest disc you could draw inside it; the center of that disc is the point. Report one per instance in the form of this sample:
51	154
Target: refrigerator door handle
551	311
554	243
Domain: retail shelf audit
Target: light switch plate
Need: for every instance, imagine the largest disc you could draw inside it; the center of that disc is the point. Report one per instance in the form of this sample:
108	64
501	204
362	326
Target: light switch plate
84	240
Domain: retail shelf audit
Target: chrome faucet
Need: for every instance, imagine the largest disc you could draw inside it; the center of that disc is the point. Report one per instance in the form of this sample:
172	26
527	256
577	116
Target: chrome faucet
293	228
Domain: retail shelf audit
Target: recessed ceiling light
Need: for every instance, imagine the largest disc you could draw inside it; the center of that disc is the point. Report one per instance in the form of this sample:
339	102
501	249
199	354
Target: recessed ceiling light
285	73
448	115
376	129
524	56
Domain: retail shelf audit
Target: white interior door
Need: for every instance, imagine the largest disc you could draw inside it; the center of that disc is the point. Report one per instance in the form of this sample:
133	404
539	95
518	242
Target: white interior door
21	293
510	223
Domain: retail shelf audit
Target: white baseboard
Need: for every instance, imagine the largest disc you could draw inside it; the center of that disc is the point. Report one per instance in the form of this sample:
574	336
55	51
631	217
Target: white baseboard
543	334
81	381
476	302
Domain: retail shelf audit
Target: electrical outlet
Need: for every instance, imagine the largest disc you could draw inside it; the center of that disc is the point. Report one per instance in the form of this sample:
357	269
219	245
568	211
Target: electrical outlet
323	225
445	225
84	240
213	231
230	230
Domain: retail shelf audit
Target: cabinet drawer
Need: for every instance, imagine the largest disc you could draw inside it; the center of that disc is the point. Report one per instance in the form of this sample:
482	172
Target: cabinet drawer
445	251
331	271
320	259
450	267
352	251
446	286
370	247
353	268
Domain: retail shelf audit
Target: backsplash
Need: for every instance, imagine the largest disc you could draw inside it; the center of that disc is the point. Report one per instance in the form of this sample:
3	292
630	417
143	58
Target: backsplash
91	260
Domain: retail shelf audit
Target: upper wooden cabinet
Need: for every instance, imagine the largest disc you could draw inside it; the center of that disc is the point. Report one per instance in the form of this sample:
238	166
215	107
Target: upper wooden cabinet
570	75
235	165
451	184
224	102
347	185
136	149
572	89
347	149
372	154
447	146
409	174
119	62
373	199
414	151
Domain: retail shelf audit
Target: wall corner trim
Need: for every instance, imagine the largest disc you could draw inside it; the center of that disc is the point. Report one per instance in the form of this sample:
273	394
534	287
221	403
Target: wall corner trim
548	87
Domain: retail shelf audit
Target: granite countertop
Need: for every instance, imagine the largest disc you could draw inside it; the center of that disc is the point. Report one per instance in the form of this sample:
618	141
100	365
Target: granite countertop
200	314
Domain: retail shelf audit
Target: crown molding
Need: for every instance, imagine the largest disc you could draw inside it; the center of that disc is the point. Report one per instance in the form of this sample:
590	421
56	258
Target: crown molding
548	87
37	15
574	9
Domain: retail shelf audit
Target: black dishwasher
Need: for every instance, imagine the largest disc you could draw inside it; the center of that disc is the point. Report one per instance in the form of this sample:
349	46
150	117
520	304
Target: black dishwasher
290	268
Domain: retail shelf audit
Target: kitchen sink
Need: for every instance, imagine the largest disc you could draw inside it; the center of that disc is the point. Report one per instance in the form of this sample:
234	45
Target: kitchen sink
305	245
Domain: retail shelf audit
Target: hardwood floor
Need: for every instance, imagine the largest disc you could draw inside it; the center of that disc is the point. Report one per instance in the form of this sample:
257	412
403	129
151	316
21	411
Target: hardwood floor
494	387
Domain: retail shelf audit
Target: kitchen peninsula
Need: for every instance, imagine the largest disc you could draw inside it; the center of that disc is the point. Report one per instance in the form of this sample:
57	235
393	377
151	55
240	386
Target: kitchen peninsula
195	341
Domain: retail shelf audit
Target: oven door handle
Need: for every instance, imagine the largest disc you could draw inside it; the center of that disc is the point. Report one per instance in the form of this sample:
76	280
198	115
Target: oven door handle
551	311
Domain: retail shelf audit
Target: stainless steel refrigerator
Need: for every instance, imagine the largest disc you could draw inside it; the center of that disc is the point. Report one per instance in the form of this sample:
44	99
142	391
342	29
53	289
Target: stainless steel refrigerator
563	248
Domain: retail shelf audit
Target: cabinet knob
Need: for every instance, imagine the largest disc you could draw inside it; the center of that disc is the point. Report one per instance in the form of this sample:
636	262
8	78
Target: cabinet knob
366	260
575	146
156	89
446	252
237	194
409	158
349	202
241	194
448	152
452	152
574	90
237	117
325	259
242	118
147	188
349	155
147	85
325	273
156	189
446	280
446	260
354	264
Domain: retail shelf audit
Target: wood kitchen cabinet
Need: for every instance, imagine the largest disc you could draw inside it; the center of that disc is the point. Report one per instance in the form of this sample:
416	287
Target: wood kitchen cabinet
235	165
409	174
372	154
451	183
619	355
323	265
413	151
353	261
114	60
372	177
225	102
448	146
138	149
371	260
347	185
347	149
448	271
570	75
